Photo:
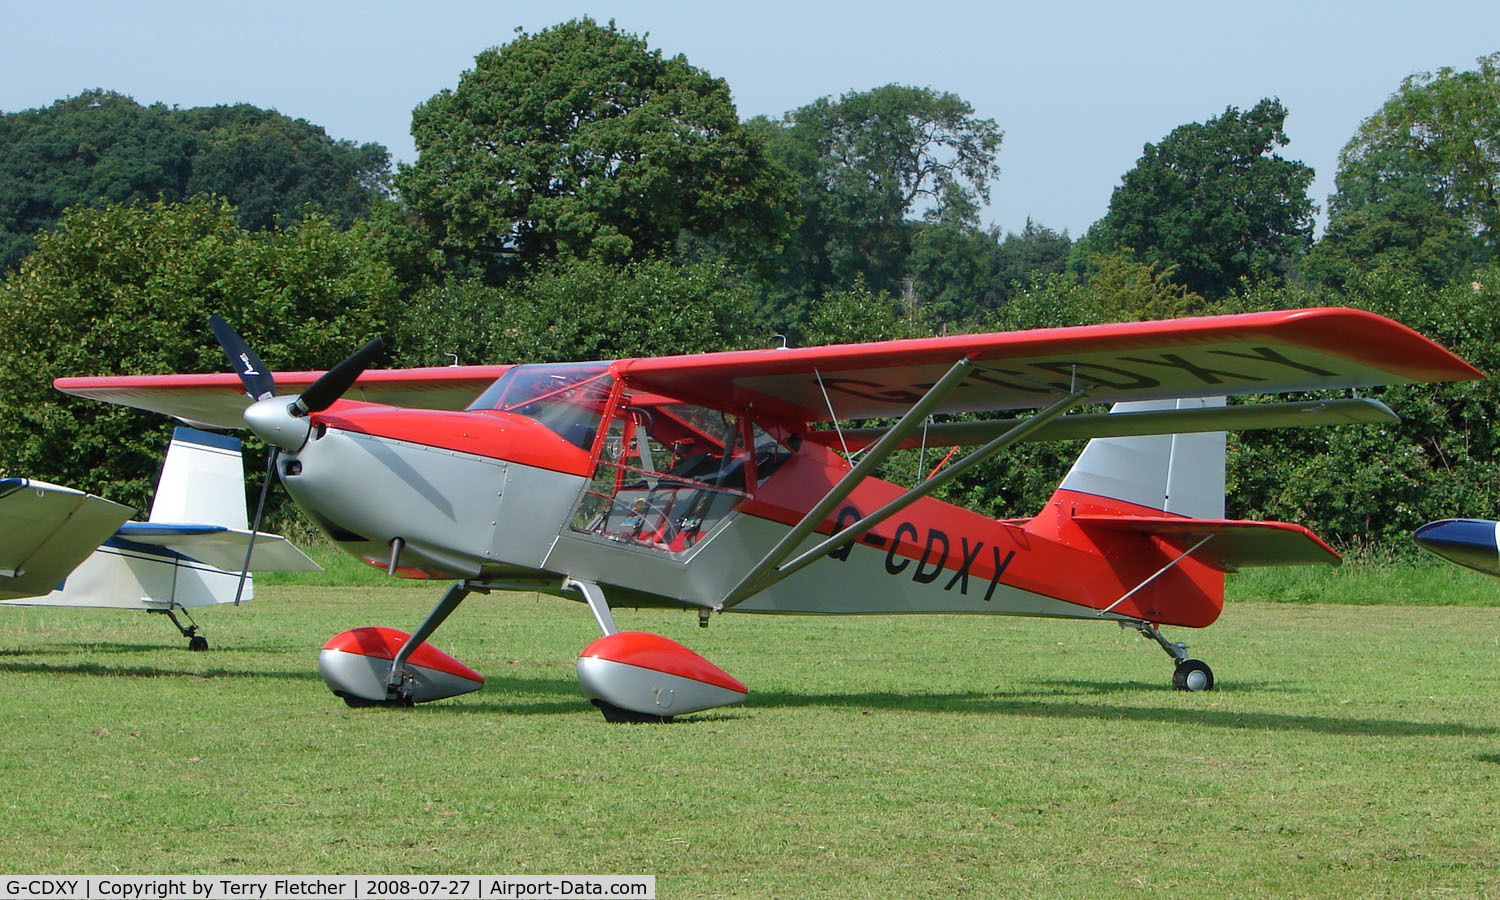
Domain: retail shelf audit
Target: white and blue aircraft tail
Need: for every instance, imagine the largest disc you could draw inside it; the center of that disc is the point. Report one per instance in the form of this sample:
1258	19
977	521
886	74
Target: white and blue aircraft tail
64	547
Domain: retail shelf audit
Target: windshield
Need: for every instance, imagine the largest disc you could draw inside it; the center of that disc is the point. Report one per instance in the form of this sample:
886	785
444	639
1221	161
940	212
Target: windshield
568	398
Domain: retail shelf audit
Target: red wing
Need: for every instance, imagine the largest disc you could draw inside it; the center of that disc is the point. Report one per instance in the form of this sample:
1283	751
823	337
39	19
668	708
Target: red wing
1271	352
218	401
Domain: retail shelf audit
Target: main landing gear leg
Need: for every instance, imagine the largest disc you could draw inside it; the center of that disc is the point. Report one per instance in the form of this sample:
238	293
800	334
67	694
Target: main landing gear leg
397	682
196	641
384	667
1189	674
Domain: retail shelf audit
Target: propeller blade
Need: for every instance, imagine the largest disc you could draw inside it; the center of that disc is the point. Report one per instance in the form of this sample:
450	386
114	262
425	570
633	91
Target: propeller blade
332	385
253	374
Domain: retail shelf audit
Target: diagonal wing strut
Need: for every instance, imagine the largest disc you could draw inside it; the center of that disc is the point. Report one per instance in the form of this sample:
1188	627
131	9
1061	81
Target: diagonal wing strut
773	567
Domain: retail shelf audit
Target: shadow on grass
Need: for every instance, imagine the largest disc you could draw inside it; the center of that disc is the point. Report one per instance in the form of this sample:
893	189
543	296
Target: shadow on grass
994	704
522	696
1076	687
556	695
109	671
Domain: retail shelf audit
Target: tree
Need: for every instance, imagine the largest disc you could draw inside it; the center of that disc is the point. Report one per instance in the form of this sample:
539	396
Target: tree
1214	201
271	167
1408	233
1020	258
1417	184
128	289
870	163
952	268
579	142
1436	136
584	309
102	147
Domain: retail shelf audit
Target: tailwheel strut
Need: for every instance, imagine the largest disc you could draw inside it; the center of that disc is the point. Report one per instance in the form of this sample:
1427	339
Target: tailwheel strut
1187	674
196	641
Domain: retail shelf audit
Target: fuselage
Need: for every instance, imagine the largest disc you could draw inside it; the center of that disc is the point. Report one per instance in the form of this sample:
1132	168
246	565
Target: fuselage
569	474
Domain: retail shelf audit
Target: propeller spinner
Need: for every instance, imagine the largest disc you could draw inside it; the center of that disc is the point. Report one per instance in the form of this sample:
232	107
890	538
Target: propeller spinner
283	425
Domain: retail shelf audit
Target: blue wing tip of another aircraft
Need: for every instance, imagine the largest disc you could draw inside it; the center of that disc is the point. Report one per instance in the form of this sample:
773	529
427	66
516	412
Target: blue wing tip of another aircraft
1472	543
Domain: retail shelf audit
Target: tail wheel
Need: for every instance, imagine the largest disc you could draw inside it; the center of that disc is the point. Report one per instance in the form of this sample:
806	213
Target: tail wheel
1193	675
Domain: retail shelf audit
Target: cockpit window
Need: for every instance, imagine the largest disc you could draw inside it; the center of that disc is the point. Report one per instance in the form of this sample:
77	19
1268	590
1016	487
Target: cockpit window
568	398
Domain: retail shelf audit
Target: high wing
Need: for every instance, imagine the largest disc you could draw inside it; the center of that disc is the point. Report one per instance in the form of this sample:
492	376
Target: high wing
1273	352
46	530
219	400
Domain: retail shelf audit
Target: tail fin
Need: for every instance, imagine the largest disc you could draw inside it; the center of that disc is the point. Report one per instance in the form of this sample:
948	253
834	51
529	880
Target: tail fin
202	481
1180	474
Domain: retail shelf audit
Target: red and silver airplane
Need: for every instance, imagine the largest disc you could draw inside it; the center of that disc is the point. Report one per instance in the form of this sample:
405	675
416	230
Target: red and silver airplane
729	482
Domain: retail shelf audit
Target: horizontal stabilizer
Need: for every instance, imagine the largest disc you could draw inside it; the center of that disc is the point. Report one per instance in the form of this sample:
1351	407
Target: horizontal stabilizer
222	548
46	531
1353	411
1230	545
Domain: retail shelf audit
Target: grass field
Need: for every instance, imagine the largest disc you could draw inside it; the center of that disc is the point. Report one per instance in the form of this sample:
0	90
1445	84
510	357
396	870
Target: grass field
1350	750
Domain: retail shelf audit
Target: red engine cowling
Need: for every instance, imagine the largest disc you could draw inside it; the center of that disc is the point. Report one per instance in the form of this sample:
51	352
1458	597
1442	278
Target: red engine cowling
356	663
651	676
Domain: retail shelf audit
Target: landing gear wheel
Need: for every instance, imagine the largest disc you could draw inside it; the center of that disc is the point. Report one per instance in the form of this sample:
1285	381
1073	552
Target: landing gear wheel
197	643
1193	675
614	713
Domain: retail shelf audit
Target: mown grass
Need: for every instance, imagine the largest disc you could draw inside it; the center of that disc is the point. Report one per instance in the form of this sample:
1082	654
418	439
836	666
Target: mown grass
1349	751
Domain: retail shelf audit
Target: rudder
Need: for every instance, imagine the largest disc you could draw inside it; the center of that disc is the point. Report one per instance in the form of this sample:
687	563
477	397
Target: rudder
1180	474
202	481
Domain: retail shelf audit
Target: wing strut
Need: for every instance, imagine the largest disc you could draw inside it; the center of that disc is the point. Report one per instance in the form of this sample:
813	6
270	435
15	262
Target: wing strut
764	574
772	567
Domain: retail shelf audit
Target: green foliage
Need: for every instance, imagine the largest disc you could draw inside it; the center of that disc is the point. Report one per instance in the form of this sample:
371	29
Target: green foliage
1367	487
1037	250
1216	202
449	322
271	167
1434	138
1124	290
1417	187
952	269
868	162
578	142
857	316
102	148
1410	234
586	310
128	290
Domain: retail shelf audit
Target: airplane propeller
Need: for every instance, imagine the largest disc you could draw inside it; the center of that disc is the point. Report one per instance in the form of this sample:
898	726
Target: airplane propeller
258	382
329	387
283	426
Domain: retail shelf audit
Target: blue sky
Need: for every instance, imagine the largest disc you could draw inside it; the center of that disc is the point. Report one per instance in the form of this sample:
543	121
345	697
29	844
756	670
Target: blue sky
1078	87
